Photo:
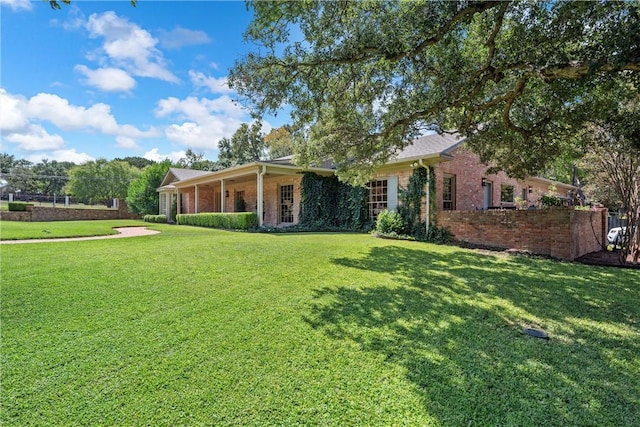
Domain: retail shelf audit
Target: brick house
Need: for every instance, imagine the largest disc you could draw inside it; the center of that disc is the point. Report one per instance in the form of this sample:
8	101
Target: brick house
272	188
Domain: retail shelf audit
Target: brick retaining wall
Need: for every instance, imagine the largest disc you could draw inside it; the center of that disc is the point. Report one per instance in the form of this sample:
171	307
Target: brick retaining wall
42	214
559	233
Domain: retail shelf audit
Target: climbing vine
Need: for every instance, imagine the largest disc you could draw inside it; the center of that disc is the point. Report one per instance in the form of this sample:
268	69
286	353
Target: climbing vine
327	203
410	198
410	208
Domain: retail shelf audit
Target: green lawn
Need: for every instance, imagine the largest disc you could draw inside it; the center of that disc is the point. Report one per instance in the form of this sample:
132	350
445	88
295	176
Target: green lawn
16	230
204	327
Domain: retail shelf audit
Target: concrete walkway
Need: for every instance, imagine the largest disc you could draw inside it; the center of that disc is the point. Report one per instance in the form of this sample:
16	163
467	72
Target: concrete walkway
122	232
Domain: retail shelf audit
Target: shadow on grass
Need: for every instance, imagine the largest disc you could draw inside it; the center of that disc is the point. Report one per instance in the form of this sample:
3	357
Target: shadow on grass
454	321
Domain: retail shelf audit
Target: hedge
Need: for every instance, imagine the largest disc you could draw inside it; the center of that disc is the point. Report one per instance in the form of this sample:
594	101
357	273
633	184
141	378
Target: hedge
155	218
230	221
19	206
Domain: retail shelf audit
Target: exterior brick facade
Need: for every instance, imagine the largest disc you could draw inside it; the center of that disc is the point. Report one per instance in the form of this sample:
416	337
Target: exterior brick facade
558	232
468	173
479	208
209	198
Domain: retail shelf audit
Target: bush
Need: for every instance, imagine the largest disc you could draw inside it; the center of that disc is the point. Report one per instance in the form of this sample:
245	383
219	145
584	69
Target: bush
551	199
18	206
155	218
229	221
390	222
439	235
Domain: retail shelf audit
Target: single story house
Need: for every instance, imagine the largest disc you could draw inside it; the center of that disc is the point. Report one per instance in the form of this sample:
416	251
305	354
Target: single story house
272	188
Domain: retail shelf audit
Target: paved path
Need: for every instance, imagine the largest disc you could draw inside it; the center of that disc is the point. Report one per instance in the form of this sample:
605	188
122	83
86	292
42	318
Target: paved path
122	232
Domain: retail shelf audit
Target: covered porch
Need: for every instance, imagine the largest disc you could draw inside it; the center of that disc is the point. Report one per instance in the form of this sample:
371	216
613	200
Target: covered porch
270	189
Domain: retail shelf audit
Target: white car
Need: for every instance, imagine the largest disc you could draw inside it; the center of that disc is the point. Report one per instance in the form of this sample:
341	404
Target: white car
616	235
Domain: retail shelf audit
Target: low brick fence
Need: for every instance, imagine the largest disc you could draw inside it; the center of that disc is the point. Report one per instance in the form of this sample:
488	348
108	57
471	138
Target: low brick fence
42	214
559	233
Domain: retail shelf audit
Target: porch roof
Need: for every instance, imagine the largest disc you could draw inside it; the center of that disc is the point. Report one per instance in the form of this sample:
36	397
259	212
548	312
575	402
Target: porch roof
246	170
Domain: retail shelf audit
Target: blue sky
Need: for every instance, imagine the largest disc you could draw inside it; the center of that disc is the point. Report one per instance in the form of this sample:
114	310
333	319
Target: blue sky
104	79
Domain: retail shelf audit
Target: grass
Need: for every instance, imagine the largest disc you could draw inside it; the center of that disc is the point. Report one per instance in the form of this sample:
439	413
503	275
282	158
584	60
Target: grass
16	230
203	327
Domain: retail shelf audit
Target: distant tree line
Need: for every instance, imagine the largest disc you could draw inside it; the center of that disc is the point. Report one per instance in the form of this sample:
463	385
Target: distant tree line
136	178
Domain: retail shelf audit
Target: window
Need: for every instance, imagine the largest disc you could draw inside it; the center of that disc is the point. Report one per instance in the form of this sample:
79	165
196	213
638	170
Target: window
506	193
377	197
449	193
286	203
163	204
240	204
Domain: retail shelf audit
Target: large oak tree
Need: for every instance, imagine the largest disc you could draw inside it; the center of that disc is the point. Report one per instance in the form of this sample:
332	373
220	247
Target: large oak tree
362	78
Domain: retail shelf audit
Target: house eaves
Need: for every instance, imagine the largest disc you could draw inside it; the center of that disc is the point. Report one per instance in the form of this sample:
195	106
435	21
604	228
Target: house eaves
551	182
249	169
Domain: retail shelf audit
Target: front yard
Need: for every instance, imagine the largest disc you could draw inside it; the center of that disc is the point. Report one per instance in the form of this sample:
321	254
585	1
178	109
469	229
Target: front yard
203	327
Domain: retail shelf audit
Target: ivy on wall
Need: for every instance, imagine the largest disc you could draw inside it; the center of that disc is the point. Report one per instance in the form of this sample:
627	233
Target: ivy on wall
410	207
410	198
327	203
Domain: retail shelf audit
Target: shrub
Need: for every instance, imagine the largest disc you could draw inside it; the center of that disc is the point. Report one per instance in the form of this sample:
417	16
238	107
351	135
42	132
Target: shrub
439	235
551	198
18	206
390	222
230	221
155	218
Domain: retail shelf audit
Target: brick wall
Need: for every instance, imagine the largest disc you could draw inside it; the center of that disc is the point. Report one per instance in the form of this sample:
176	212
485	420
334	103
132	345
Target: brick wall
208	197
469	171
42	214
15	216
559	233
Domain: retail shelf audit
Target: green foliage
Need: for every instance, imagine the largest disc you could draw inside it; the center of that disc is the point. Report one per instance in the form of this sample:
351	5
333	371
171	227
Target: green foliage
517	78
245	146
18	206
327	203
55	4
229	221
612	164
161	219
197	161
19	230
142	197
389	222
410	207
438	235
279	142
45	178
136	161
203	327
100	181
551	198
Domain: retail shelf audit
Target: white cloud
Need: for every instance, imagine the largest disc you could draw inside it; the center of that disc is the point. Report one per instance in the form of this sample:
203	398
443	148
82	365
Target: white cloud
14	116
128	46
199	108
75	19
204	122
35	138
17	5
179	37
107	79
57	110
126	142
131	131
215	85
157	157
70	155
20	118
